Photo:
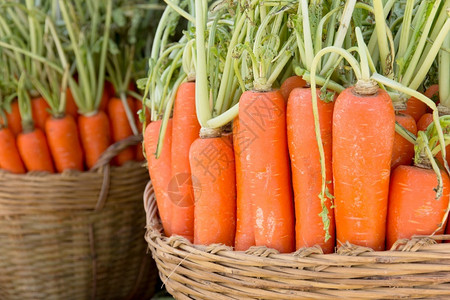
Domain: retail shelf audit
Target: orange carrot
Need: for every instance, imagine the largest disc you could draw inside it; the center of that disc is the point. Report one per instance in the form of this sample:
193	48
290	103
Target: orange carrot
306	168
245	231
432	92
185	131
40	110
403	151
120	128
262	134
14	119
291	83
71	106
64	143
363	139
9	154
160	170
95	136
413	209
33	148
213	173
424	122
415	108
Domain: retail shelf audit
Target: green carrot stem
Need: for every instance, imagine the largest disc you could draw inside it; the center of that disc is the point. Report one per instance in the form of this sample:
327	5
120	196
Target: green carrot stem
380	28
180	11
103	53
224	118
444	74
420	74
166	116
341	33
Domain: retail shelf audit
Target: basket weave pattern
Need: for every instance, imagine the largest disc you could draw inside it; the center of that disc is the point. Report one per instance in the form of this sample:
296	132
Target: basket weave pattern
75	235
419	268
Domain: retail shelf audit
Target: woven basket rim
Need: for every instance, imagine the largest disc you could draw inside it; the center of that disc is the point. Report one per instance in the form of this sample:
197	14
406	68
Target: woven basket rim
416	247
419	268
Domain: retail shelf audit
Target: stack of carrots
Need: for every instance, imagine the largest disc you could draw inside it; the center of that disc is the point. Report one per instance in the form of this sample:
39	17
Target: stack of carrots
290	124
67	93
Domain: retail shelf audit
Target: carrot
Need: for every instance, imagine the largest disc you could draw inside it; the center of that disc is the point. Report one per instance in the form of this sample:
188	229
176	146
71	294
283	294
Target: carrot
415	108
306	168
14	119
413	209
71	106
432	92
424	122
363	138
262	127
33	148
9	154
159	170
120	128
185	130
245	232
40	111
403	151
95	136
212	166
64	143
291	83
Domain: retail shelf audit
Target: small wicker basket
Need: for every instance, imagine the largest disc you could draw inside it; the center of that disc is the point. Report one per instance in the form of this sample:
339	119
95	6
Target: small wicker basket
75	235
418	268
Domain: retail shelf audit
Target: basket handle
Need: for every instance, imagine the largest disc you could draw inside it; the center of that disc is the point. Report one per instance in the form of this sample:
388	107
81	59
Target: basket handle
151	209
103	165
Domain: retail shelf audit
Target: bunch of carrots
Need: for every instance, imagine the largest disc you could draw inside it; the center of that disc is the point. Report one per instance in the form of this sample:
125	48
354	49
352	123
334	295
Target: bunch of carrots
67	90
289	124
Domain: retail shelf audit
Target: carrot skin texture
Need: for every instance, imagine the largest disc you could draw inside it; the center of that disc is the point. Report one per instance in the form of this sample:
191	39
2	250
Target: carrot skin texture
262	127
10	159
363	139
415	108
306	169
245	231
185	130
94	135
291	83
64	143
120	128
403	151
33	148
39	108
424	122
14	119
213	170
413	209
159	170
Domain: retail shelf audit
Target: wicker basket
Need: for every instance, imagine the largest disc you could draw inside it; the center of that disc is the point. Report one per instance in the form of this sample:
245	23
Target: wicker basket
419	268
75	235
